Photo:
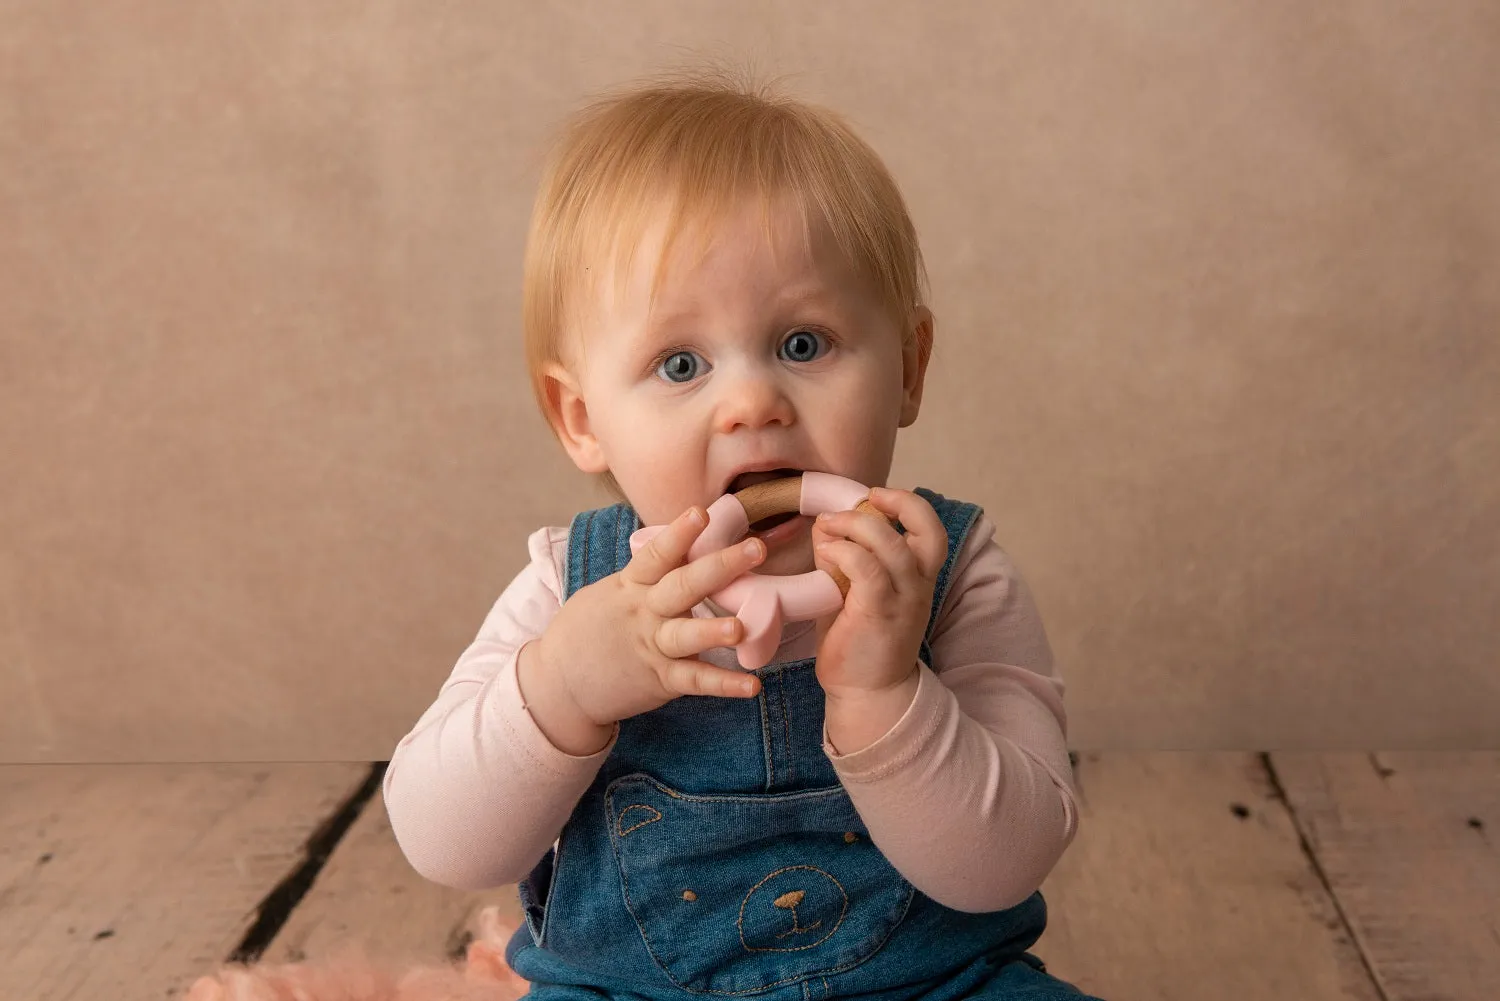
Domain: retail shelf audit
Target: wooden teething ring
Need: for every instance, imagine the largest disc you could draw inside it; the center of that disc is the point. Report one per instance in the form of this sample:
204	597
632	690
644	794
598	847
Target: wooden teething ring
762	602
784	496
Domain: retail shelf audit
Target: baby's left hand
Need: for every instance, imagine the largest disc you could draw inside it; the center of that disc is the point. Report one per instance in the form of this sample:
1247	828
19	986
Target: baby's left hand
871	644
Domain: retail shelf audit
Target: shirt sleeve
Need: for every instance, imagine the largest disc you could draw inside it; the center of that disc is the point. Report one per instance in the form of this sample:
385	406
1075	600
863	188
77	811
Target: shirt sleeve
969	795
476	793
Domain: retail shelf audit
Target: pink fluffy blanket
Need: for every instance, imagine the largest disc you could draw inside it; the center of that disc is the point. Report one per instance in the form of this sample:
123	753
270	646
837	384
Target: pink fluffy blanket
354	976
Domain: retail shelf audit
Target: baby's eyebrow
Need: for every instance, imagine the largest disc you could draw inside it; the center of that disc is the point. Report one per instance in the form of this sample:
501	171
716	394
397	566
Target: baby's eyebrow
661	330
675	322
666	321
809	293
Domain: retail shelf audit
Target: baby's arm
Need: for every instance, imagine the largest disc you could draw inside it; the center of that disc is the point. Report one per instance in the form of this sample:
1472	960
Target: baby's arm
969	794
475	792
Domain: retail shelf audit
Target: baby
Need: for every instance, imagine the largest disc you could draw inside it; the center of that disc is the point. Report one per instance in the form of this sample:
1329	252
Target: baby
722	287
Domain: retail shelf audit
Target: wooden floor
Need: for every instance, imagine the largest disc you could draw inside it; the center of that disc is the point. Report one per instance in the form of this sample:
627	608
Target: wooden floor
1283	877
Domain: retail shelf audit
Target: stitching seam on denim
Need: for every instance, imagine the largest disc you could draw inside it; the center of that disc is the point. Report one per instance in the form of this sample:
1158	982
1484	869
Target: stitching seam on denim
764	704
622	831
786	730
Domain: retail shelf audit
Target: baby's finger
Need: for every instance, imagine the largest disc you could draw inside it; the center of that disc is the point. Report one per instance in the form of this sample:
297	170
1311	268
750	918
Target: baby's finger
875	534
694	677
667	548
866	574
688	637
925	533
684	587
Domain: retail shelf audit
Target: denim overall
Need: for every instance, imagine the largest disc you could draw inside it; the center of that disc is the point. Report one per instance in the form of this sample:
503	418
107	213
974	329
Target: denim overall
717	856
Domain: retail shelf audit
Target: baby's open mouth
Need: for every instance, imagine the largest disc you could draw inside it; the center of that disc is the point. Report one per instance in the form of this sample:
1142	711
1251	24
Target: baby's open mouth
744	480
768	523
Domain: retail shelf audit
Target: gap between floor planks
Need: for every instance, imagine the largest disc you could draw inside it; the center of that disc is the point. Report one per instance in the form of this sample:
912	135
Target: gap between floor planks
129	881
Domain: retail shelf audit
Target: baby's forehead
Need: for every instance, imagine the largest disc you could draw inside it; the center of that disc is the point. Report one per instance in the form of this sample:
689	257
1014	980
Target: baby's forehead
668	249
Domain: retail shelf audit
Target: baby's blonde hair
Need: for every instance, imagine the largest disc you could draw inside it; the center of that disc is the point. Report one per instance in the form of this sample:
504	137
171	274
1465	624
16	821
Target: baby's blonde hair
696	146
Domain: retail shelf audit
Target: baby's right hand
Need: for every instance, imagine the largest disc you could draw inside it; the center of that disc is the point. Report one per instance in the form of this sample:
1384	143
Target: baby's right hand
627	644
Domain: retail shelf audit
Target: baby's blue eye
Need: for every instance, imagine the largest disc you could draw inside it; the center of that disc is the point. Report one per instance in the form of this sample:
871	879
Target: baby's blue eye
683	363
684	366
802	345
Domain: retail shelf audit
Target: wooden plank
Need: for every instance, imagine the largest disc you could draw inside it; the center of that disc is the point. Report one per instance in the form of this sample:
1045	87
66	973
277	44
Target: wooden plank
129	881
1186	881
1408	843
368	896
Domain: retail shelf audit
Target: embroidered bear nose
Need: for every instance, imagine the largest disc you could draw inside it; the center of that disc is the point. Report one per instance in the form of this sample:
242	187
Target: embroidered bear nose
788	900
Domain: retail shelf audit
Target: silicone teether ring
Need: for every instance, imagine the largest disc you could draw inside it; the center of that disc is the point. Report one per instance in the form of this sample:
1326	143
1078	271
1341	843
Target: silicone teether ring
763	602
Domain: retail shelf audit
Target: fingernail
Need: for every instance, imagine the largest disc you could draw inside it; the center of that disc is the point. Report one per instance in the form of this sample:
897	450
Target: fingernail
754	548
696	516
729	628
823	516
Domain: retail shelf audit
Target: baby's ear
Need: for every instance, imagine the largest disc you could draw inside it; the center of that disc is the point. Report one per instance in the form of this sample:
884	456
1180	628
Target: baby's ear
568	414
916	349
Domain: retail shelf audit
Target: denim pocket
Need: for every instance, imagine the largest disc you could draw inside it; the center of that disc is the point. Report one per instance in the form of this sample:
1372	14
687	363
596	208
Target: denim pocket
739	894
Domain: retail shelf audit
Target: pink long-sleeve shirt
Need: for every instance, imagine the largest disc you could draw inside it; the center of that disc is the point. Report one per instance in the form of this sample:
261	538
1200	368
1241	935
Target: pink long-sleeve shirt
968	795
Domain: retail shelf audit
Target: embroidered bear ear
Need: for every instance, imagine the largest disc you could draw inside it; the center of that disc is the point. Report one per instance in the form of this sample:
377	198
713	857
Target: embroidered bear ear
634	817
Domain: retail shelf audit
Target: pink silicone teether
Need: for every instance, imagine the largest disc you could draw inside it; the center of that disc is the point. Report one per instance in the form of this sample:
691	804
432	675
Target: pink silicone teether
763	602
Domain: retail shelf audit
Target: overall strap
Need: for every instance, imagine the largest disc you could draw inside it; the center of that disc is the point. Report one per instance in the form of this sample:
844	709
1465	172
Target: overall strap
598	545
958	518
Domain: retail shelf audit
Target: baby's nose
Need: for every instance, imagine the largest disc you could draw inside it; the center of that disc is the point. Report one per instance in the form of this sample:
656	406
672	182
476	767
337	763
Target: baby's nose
754	401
